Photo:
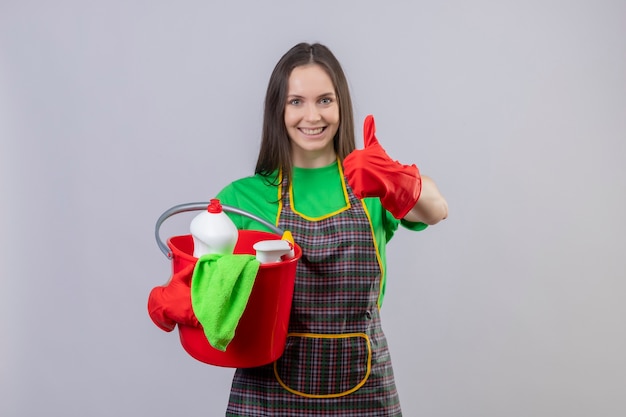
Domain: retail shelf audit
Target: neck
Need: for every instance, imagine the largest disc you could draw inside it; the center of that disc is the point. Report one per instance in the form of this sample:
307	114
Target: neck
314	161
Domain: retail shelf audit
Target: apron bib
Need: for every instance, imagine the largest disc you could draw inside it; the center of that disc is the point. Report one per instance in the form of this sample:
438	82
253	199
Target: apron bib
336	361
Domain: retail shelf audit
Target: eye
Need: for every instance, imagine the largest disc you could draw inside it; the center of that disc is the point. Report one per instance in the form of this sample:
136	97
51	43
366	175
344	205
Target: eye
326	100
295	102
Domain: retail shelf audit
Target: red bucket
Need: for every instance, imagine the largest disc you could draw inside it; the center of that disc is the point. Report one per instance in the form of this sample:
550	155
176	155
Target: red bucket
262	330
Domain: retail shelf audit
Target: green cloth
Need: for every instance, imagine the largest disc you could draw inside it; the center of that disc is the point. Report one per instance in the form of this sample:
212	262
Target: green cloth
316	192
220	289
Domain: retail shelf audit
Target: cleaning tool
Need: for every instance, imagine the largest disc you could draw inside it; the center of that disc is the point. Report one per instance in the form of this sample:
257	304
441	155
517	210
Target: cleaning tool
268	251
261	332
213	231
171	303
220	288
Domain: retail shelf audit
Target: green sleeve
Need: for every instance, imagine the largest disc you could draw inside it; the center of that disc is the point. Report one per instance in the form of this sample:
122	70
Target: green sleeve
255	195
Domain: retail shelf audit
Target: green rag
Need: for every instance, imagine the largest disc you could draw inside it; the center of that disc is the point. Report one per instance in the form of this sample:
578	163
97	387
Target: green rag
220	288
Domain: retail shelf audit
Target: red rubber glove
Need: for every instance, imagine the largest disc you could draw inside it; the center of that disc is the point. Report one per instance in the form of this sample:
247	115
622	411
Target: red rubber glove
171	303
372	173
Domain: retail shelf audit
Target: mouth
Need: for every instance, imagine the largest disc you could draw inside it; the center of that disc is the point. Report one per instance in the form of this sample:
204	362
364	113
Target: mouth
312	131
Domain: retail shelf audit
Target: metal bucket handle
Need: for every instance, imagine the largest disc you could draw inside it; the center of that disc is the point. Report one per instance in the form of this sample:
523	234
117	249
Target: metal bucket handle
183	208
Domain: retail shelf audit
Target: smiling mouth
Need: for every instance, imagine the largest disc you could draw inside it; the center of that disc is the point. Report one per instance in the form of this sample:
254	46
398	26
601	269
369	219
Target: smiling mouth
312	132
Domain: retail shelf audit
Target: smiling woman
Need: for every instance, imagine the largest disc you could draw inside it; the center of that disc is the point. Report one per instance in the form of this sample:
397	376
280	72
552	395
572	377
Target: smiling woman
336	360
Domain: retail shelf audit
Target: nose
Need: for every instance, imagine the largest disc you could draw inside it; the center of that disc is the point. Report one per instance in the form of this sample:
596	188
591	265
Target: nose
312	113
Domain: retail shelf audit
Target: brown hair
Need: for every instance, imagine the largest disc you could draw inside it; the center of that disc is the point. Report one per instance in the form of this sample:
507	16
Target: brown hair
275	152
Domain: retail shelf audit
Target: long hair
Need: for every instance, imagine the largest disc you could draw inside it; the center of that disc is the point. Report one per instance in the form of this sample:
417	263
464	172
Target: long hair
275	151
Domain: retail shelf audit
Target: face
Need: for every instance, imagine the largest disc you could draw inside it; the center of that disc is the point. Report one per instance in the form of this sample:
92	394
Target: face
311	116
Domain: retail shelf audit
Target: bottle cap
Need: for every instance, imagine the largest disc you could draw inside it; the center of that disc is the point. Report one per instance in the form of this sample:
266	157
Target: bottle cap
215	206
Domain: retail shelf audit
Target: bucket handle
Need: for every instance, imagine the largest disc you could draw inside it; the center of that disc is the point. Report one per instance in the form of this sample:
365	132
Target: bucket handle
183	208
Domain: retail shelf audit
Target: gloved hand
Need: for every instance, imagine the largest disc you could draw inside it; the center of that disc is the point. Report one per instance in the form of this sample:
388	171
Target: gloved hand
171	303
372	173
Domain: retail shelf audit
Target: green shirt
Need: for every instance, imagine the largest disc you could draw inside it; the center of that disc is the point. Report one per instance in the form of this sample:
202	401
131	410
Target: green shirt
317	192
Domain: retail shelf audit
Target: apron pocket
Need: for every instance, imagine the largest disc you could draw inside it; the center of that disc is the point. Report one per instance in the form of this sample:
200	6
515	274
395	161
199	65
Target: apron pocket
323	365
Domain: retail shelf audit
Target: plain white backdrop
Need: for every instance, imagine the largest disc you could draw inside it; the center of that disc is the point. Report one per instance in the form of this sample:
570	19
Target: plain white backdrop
113	111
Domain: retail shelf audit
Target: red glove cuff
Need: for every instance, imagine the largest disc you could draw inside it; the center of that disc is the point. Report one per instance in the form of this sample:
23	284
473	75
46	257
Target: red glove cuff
408	187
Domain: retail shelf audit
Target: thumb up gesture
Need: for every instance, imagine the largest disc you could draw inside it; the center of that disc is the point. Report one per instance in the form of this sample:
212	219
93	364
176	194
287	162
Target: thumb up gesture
372	173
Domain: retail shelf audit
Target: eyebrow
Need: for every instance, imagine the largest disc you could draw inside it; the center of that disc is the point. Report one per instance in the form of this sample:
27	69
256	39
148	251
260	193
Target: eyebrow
320	96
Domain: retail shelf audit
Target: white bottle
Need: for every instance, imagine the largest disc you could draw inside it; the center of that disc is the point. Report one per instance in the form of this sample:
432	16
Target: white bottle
268	251
213	232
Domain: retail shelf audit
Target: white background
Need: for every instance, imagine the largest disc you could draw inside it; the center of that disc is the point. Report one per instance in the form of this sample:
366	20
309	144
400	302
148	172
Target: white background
113	111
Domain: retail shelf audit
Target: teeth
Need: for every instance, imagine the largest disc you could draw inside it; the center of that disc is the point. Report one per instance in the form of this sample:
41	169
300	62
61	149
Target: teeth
312	131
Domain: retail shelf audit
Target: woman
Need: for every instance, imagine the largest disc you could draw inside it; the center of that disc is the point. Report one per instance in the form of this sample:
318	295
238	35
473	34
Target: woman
342	206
